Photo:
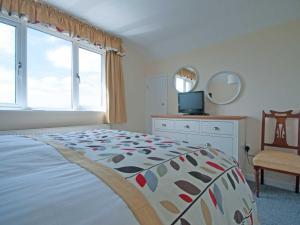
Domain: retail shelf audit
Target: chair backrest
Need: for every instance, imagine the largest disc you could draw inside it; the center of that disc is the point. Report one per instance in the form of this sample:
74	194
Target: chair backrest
280	137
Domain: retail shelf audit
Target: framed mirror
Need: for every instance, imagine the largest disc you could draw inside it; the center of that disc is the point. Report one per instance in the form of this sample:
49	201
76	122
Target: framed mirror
185	79
223	87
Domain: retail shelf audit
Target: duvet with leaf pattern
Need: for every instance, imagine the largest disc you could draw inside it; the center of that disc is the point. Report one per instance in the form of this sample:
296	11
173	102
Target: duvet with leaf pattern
163	181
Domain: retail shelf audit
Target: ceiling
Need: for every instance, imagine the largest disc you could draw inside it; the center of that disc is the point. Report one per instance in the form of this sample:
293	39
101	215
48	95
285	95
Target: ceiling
165	27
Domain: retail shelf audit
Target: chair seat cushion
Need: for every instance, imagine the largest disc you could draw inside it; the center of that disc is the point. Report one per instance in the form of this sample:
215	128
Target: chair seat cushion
278	160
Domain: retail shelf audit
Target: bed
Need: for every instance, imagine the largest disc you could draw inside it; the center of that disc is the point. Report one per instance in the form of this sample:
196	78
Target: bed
95	176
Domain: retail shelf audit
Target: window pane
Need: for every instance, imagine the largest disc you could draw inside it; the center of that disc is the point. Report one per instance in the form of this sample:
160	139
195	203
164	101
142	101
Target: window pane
90	79
179	84
7	63
49	71
188	85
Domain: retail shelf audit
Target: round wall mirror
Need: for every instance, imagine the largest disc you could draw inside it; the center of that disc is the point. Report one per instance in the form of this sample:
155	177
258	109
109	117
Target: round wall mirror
223	87
185	79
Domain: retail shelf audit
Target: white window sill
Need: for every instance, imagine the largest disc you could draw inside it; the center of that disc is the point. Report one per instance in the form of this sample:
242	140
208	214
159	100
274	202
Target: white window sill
49	110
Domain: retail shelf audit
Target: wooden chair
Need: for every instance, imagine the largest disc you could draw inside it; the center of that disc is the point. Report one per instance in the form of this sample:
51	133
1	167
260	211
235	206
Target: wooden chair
278	161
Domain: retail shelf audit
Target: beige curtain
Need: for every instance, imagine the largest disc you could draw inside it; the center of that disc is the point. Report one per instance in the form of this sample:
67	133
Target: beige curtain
39	12
115	92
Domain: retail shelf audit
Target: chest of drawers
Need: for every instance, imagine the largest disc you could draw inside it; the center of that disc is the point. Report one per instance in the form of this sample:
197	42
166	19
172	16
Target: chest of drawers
226	133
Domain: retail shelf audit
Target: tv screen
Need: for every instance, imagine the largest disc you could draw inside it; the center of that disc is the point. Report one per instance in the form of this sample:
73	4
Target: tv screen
191	102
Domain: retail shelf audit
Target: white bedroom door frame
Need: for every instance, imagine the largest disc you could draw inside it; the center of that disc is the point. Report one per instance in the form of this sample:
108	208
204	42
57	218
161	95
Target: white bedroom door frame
156	98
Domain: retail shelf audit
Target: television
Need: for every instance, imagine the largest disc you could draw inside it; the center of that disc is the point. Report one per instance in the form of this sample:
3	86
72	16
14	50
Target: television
191	103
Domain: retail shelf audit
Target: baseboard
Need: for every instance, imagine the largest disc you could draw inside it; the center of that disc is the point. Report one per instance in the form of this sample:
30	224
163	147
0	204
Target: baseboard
290	186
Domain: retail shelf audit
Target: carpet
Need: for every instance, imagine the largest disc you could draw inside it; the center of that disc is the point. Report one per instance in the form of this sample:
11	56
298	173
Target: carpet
277	206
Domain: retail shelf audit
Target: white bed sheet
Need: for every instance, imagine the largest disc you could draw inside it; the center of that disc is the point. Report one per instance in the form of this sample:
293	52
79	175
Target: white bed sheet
39	187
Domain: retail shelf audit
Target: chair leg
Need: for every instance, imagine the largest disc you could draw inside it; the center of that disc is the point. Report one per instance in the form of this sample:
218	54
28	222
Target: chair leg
257	181
262	176
297	184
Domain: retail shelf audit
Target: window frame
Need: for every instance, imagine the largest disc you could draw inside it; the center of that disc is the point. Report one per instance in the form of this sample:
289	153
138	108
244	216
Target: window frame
185	81
90	48
19	99
21	73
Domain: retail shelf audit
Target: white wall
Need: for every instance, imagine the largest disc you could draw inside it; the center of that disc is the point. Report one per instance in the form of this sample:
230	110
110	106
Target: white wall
13	120
268	62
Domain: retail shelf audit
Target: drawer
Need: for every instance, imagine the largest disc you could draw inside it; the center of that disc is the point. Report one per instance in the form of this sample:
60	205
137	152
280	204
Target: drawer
186	126
164	124
217	127
174	136
225	144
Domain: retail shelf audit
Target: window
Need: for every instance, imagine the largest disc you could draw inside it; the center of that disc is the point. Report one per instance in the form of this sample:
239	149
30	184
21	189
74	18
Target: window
49	71
90	81
43	69
184	84
7	63
179	84
188	85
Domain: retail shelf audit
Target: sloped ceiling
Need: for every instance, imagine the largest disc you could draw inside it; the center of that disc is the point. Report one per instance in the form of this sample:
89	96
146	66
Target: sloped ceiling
165	27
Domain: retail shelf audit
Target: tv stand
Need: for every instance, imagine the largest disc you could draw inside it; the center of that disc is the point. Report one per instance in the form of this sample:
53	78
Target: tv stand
196	114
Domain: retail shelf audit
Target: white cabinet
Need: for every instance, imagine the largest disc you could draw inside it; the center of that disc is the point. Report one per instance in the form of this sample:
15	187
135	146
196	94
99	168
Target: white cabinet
226	133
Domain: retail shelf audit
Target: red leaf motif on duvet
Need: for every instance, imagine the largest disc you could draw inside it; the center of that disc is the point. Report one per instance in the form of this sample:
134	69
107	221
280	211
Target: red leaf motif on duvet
186	198
140	179
181	158
213	198
215	165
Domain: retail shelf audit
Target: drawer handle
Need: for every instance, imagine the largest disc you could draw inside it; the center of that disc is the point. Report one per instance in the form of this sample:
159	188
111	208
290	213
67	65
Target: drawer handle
187	126
217	128
164	125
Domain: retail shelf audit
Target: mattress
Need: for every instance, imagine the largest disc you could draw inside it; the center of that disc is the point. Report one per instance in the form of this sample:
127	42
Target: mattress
39	186
103	176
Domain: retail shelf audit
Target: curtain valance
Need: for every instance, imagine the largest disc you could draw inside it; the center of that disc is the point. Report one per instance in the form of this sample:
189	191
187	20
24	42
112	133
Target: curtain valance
37	12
